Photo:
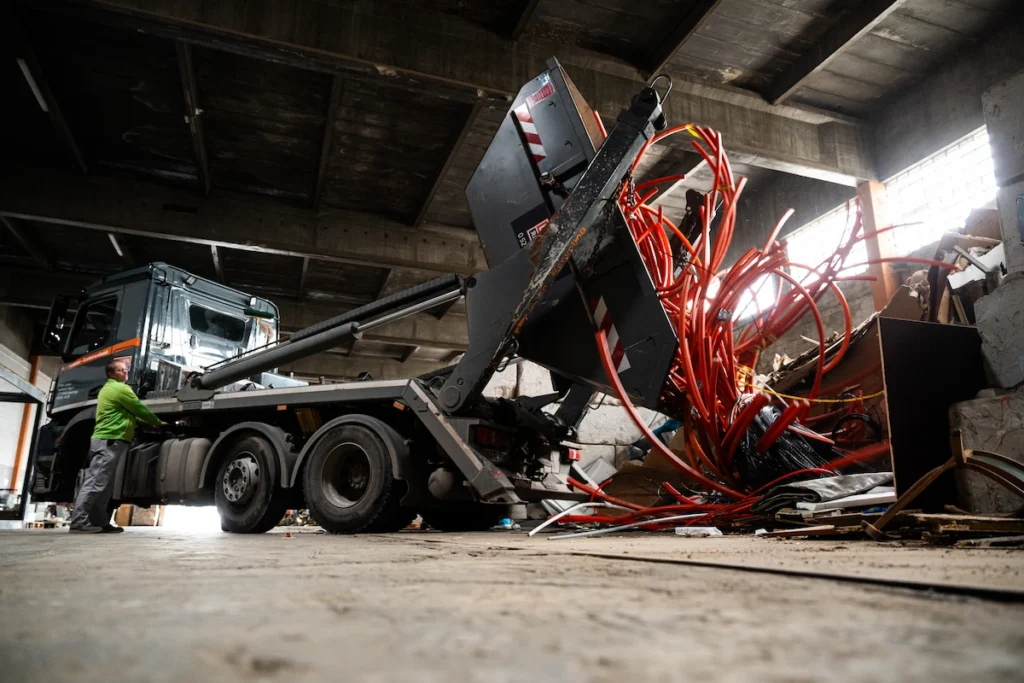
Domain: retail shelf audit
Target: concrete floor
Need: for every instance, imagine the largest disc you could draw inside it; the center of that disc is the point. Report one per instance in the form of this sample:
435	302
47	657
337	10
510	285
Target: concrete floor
153	605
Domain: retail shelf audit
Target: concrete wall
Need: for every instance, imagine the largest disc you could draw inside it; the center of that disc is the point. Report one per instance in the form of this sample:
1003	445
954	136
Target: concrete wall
947	105
16	331
1000	315
1004	116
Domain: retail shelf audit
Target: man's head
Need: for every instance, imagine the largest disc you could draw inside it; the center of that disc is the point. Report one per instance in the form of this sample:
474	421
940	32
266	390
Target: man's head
117	369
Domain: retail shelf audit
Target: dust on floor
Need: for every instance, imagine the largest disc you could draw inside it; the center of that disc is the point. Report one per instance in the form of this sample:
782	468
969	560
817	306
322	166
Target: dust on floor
151	605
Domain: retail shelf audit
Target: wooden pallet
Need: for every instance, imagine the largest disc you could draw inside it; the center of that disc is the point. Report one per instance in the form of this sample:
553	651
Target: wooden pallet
41	525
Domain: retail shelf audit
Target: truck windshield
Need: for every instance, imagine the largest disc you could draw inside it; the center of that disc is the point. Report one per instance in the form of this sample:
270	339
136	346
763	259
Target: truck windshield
94	324
207	321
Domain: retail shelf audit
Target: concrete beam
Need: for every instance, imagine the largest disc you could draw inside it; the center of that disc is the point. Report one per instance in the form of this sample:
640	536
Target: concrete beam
31	245
193	114
689	21
523	19
16	37
330	114
857	23
947	105
448	56
245	222
336	366
453	151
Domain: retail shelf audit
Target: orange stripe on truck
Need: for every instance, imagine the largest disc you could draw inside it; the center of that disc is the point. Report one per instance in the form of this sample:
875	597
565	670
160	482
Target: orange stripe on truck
103	353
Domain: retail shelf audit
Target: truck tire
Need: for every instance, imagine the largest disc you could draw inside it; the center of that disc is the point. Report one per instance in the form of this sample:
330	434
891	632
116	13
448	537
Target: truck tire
464	516
350	484
245	490
394	516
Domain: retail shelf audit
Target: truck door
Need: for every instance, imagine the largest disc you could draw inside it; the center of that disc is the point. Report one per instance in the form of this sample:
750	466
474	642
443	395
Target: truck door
213	332
92	341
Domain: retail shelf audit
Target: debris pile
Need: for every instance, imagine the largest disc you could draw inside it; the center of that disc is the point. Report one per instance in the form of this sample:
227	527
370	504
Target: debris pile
790	451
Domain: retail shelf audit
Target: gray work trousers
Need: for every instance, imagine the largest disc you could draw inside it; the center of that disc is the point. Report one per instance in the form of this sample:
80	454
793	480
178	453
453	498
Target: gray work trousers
91	503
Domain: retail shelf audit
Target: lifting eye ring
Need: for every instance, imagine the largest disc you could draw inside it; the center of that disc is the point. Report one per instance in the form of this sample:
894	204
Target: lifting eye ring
668	89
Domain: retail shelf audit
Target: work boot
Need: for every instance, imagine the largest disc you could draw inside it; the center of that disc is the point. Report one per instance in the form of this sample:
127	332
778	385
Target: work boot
85	530
111	529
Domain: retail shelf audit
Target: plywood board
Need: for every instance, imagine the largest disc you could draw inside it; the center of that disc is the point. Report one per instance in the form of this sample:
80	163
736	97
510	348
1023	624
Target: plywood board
926	367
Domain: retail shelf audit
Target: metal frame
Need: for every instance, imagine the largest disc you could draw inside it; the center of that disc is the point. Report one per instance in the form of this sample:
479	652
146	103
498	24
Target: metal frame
502	298
23	393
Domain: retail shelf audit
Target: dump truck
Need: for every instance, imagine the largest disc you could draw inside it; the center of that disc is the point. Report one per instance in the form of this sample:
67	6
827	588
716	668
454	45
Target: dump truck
368	456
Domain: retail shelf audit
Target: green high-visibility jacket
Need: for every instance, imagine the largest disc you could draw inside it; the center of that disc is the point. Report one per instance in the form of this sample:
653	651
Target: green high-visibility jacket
117	409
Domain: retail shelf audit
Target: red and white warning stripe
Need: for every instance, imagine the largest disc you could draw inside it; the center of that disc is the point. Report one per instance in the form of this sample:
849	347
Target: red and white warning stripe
615	346
529	129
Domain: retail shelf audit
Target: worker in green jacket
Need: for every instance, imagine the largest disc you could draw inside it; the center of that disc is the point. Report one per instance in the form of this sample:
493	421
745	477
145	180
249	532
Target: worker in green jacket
117	409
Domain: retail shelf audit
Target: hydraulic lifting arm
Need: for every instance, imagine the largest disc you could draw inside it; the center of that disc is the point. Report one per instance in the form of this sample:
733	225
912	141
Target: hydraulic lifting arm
580	252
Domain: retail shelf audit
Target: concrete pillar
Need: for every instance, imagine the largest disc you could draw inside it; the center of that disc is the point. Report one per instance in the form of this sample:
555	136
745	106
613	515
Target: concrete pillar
1000	315
1004	117
873	207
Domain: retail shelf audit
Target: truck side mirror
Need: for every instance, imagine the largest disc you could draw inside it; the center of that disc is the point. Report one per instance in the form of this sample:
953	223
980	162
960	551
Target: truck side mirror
55	334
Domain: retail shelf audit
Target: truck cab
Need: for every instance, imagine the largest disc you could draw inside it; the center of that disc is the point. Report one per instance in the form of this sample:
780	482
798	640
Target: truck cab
165	323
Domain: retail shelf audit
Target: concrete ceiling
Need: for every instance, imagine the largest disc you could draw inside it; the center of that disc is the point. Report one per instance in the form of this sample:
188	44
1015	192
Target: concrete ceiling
316	151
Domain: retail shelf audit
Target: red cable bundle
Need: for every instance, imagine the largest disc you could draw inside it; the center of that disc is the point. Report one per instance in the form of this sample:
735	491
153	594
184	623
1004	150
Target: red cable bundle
708	385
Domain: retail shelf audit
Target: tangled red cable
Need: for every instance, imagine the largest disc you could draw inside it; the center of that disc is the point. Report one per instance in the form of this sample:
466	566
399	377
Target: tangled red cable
722	328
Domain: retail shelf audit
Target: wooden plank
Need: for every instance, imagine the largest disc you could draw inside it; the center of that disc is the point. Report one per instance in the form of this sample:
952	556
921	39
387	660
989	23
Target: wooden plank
821	530
857	24
926	368
946	523
873	207
193	113
325	147
453	152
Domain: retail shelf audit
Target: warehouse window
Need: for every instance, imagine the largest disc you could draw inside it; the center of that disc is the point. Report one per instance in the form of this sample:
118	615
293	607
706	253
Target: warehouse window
94	326
207	321
937	195
814	242
926	200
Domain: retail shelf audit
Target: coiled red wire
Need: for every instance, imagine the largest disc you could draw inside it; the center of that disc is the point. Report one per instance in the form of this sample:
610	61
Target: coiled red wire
708	386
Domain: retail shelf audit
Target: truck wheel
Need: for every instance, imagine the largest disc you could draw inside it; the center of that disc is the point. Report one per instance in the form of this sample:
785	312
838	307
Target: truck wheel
246	488
464	516
394	516
350	481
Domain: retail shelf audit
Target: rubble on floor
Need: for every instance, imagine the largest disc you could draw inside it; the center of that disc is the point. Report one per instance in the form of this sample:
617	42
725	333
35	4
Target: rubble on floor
926	409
